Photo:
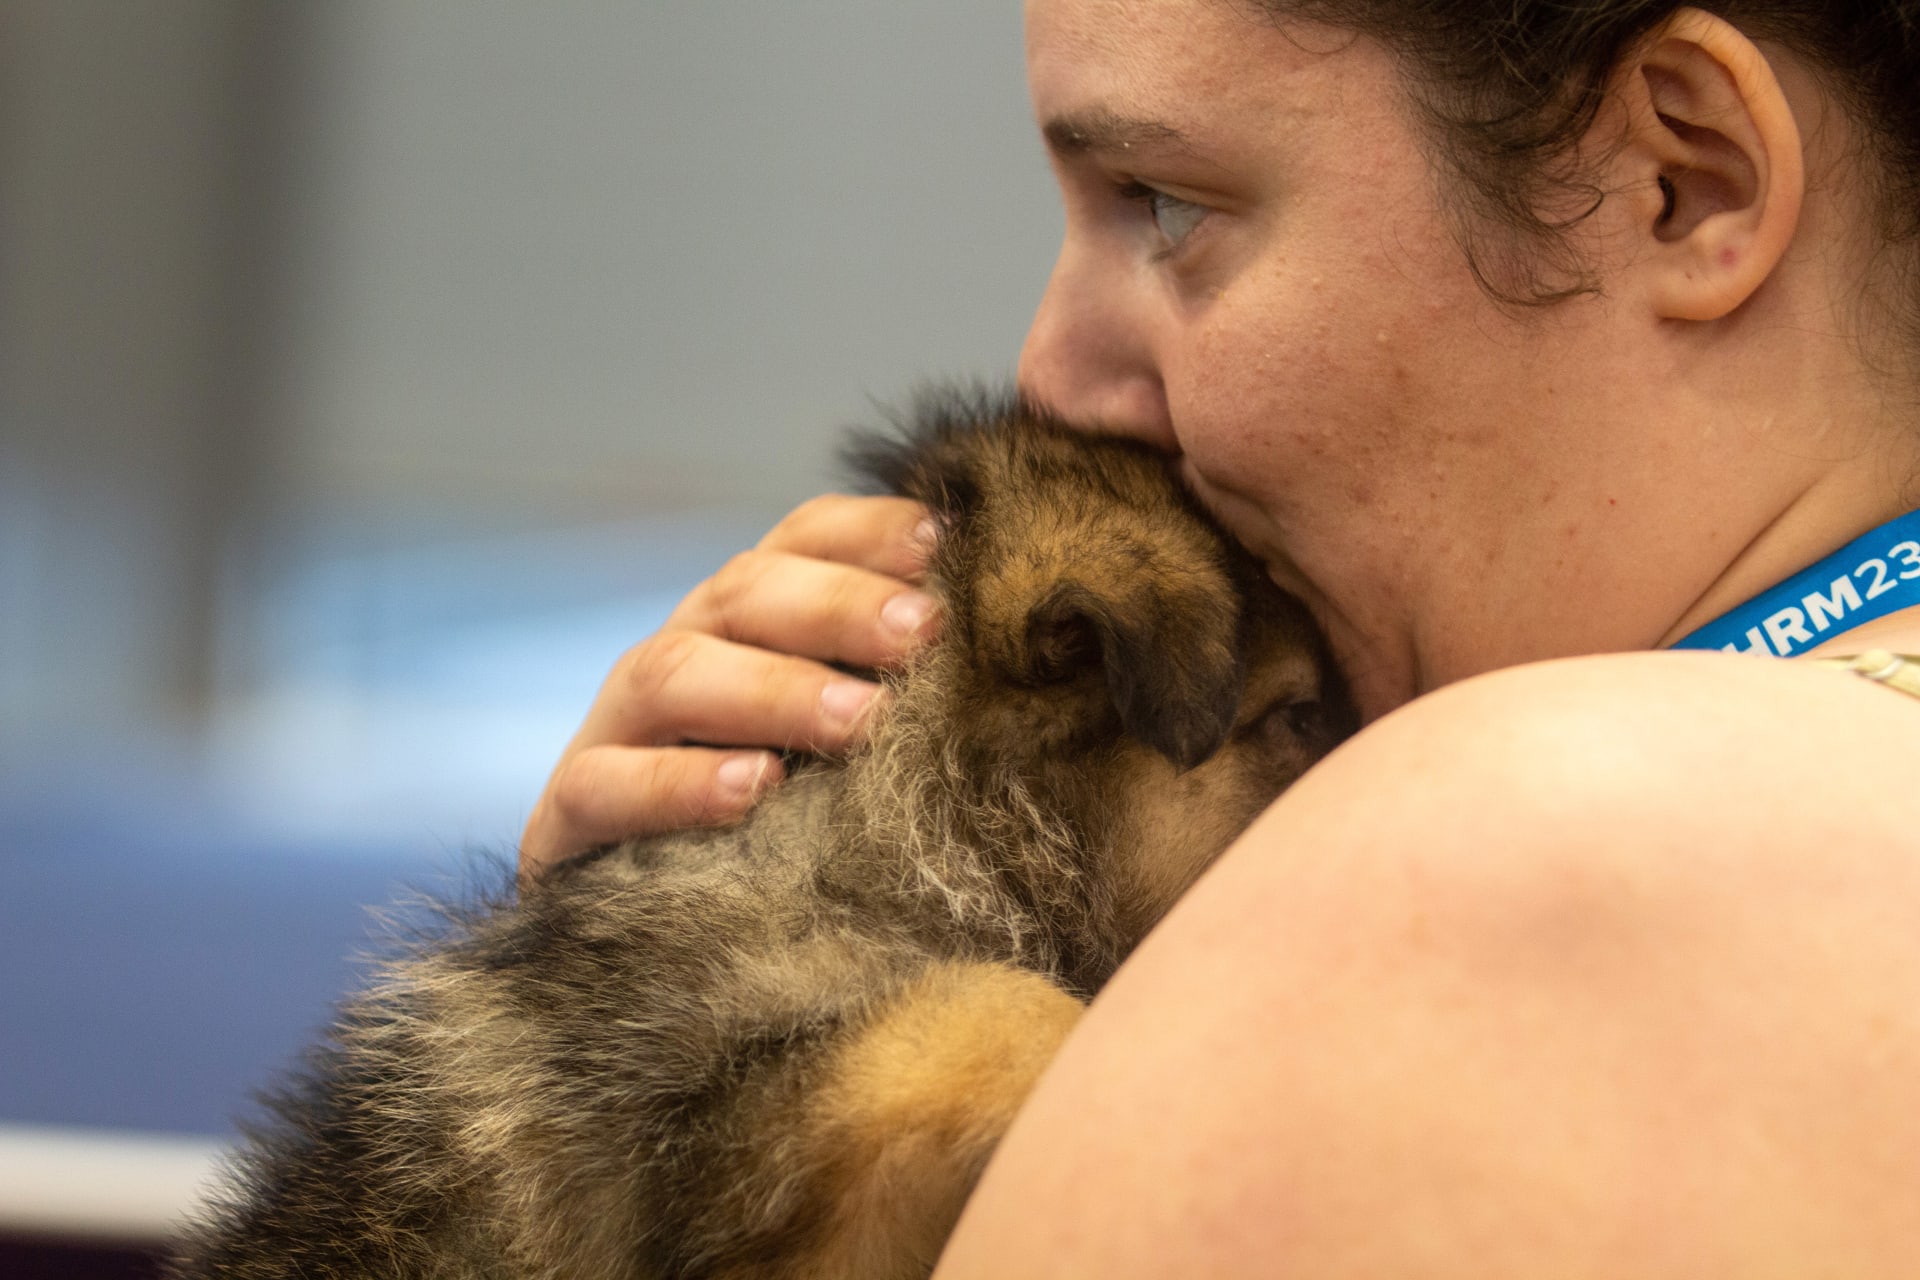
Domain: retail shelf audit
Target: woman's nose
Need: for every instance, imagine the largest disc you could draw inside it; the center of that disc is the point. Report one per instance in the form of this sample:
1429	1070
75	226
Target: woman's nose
1089	355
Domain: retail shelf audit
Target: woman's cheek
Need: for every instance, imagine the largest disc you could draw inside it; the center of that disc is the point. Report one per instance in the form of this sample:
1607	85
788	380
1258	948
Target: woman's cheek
1245	406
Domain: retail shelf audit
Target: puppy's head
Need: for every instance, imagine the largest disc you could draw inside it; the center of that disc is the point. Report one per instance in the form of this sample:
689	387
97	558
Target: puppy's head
1104	641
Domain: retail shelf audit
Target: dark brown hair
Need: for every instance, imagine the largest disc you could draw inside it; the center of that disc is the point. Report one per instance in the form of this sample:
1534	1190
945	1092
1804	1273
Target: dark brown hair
1508	87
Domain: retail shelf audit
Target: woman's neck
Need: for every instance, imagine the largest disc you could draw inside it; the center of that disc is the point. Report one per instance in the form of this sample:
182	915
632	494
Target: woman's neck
1840	511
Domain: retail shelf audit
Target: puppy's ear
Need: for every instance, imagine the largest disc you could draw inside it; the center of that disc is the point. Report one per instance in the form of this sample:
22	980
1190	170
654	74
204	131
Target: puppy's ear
1171	664
928	469
929	453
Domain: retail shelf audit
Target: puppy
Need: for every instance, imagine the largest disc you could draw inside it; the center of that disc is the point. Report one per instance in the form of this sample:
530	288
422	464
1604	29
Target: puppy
786	1049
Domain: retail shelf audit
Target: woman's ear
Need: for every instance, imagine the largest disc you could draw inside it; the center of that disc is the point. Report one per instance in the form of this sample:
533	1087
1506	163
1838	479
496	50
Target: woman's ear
1714	165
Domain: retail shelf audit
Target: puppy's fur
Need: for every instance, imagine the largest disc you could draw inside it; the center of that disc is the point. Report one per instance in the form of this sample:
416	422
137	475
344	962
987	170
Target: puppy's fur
786	1049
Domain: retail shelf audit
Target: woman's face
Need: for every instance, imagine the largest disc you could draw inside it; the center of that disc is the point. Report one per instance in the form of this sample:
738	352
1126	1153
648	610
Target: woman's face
1258	272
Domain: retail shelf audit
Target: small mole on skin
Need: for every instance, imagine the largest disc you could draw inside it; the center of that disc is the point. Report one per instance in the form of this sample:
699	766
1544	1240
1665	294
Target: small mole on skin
1729	257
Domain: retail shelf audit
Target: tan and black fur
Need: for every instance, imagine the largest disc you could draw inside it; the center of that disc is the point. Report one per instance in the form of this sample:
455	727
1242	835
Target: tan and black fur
786	1049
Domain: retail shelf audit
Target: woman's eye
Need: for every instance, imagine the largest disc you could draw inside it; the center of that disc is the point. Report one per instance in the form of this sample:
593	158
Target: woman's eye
1173	217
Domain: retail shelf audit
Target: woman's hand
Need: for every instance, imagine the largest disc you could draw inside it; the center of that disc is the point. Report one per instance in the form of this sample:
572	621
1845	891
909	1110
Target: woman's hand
740	668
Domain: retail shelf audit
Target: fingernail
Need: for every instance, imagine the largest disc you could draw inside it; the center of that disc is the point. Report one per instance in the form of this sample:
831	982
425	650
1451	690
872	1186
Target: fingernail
740	777
906	615
842	701
924	536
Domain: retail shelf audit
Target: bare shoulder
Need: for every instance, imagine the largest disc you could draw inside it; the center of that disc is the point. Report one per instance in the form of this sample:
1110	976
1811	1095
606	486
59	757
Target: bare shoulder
1709	745
1676	805
1607	966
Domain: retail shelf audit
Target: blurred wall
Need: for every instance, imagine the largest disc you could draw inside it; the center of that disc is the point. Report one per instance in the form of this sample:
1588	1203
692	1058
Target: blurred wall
608	252
285	281
137	167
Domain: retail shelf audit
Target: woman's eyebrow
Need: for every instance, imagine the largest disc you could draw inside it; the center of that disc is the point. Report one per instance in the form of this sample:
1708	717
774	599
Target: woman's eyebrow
1101	130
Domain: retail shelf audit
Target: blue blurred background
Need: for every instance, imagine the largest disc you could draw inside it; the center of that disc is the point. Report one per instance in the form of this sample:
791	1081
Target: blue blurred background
372	373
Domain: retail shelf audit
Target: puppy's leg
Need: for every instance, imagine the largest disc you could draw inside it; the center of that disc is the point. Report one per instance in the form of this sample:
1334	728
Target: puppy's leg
913	1106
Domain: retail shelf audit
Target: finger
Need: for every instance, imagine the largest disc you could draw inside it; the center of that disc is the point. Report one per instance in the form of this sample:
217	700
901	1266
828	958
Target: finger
889	536
607	793
812	608
685	686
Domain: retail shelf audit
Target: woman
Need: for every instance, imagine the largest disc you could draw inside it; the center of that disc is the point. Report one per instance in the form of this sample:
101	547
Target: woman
1503	343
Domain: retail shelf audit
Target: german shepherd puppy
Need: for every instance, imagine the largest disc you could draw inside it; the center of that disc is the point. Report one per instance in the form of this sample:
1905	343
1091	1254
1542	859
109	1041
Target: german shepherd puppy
786	1049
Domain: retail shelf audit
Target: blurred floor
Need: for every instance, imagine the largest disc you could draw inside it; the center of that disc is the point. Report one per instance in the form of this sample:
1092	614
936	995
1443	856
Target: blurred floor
179	907
182	903
159	956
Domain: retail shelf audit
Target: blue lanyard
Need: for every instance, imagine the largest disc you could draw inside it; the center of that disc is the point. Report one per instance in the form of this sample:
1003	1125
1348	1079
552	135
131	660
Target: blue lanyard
1872	576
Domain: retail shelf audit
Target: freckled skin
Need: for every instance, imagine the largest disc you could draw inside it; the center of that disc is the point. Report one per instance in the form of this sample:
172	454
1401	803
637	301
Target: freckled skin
1440	478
